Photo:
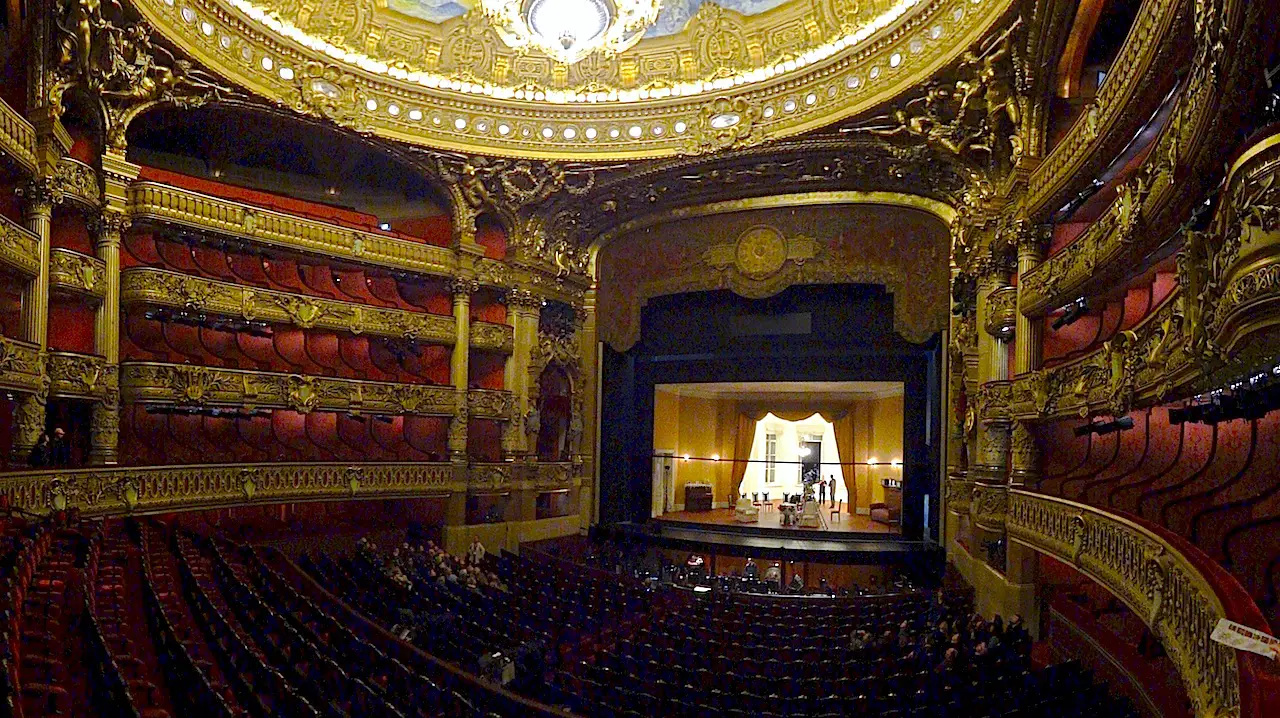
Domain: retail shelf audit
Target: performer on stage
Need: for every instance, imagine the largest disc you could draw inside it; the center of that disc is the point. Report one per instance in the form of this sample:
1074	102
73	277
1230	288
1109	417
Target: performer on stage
832	484
822	491
751	570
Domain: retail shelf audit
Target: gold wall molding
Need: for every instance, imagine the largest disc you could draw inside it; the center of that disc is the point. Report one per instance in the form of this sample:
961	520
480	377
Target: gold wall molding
161	288
104	492
17	139
488	336
1151	576
19	247
742	250
518	476
490	404
988	506
82	376
458	90
155	383
959	494
77	273
151	201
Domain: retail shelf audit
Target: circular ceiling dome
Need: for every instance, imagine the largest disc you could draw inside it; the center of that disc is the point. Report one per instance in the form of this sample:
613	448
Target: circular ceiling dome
569	24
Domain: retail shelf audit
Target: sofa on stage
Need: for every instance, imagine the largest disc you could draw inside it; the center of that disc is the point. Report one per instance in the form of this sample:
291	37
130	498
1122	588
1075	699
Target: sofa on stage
746	511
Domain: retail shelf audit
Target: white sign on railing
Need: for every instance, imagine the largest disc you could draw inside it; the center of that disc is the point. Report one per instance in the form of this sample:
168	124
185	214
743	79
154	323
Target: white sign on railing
1241	637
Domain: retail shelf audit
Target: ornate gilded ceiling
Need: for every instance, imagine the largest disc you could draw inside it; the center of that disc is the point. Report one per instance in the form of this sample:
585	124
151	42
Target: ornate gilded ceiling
726	78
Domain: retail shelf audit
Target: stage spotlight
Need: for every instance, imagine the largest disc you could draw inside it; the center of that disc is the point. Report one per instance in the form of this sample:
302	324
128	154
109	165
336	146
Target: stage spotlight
1071	313
1084	430
1110	427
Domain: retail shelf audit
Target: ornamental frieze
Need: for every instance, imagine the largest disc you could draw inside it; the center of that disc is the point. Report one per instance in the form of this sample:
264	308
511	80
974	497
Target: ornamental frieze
83	376
161	288
988	505
959	494
490	477
22	367
548	477
1151	576
78	273
165	205
200	386
490	404
103	492
489	336
1002	312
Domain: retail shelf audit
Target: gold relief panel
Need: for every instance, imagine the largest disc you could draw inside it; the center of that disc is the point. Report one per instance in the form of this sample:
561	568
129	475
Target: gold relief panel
959	494
105	492
78	273
987	506
487	336
161	288
456	85
491	477
17	138
490	404
82	376
548	477
200	386
1150	575
1002	312
22	367
155	202
757	248
19	248
79	182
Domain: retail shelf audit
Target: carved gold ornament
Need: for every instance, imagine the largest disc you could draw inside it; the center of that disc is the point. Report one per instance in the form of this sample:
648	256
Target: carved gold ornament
456	84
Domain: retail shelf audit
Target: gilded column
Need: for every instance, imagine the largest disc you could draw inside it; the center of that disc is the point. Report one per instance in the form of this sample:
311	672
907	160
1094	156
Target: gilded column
587	410
39	196
526	310
993	366
459	367
1029	331
104	429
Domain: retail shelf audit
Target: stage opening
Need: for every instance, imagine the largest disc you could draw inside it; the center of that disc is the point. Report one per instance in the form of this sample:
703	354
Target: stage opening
817	456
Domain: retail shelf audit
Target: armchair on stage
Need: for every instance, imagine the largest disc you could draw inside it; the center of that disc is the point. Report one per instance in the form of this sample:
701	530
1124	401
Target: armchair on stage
746	511
810	516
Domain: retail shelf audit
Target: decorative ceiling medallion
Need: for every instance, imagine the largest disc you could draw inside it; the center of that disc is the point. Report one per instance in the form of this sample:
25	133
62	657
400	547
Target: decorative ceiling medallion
569	30
457	85
760	252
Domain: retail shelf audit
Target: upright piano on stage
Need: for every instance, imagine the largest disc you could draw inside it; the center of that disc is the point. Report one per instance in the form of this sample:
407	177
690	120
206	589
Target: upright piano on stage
697	497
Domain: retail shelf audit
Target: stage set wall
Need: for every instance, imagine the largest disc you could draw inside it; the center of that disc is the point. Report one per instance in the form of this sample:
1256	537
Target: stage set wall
705	427
703	337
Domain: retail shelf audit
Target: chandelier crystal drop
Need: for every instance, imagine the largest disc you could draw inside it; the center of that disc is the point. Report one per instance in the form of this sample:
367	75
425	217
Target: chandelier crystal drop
570	30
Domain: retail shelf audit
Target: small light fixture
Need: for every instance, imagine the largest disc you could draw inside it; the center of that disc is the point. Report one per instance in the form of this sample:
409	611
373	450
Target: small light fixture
872	461
384	226
686	457
715	457
896	462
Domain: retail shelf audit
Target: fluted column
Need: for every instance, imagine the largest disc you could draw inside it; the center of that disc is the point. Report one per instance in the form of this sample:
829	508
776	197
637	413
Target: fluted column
459	366
104	430
39	197
526	309
1029	332
993	365
588	407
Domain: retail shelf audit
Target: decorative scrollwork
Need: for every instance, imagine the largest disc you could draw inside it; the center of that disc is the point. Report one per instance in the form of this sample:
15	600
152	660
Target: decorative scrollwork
77	272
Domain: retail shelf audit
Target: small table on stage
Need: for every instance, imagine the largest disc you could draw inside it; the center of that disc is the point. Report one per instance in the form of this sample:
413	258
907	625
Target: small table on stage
697	497
788	512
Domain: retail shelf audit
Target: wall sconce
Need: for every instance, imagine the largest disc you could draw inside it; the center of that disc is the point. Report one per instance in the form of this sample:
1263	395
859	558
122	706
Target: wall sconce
715	457
872	461
897	463
686	457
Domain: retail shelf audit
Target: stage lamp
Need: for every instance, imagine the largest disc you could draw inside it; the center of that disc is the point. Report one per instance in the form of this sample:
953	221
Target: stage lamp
686	457
1071	313
872	461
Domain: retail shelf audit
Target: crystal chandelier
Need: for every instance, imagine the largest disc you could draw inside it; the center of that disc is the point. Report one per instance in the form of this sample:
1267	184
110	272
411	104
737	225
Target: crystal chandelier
569	30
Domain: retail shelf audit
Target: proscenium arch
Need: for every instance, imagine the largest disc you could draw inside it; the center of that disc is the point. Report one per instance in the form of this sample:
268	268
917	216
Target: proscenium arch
833	198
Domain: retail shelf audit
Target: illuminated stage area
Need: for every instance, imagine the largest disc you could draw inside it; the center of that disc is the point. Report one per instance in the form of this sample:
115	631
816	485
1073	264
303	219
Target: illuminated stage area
808	456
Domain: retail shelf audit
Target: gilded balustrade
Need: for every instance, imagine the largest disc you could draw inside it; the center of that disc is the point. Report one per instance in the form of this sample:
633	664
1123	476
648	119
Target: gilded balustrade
100	492
988	505
17	138
959	495
171	205
1150	575
19	247
1122	103
1151	203
77	273
200	386
161	288
490	404
81	376
552	476
492	337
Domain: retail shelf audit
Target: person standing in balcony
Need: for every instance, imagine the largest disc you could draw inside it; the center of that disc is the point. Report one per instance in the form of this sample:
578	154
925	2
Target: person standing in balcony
59	451
40	453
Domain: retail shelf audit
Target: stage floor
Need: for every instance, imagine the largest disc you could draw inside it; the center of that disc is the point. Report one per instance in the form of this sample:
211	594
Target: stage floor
771	518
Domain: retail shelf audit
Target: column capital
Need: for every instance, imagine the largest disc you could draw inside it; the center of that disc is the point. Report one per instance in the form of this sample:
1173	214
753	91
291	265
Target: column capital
40	194
1032	240
523	298
463	287
109	225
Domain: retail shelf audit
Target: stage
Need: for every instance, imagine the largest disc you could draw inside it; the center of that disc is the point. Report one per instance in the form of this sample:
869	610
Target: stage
770	519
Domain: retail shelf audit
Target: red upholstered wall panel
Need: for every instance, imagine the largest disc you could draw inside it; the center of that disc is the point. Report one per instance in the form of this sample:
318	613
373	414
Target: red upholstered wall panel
437	229
484	440
487	371
494	240
71	326
68	231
